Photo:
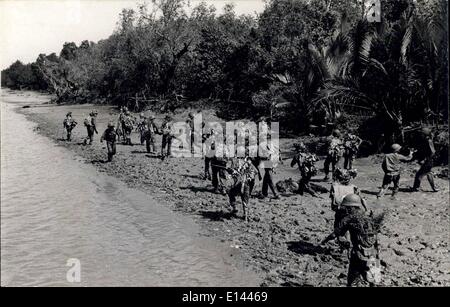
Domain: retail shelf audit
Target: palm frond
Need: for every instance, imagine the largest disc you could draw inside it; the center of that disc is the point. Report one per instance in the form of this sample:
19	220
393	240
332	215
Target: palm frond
406	41
318	62
344	92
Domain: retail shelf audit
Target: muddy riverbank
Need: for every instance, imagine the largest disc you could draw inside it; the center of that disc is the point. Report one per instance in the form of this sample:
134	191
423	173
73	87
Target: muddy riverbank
280	241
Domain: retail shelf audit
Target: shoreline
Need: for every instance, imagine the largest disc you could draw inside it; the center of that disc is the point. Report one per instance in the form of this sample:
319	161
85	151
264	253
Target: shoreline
280	240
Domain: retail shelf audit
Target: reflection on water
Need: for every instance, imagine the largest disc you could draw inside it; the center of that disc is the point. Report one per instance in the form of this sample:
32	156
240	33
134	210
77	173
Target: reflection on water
54	208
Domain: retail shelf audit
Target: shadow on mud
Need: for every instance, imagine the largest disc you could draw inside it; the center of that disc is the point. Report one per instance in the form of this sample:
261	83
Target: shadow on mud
295	284
99	161
307	248
217	215
153	156
197	189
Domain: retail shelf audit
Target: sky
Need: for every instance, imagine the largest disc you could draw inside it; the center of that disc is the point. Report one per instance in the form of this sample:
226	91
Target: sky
31	27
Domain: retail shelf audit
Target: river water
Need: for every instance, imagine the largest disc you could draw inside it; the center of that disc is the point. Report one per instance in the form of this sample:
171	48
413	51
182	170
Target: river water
55	207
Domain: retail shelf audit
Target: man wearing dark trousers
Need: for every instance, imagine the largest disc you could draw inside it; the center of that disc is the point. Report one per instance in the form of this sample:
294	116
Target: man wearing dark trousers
427	163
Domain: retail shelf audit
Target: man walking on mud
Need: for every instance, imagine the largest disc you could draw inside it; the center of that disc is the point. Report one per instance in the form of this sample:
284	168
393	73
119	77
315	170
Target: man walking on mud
127	126
110	137
364	268
218	167
149	135
427	152
426	163
306	165
142	127
243	174
190	122
91	125
208	150
167	135
69	123
334	153
391	168
119	127
269	163
351	148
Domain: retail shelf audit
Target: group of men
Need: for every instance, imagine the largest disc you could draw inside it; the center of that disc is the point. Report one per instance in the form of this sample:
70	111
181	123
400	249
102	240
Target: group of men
123	128
391	165
355	228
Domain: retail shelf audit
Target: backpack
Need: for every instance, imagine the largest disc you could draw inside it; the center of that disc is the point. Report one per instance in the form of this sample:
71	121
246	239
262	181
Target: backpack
128	122
87	121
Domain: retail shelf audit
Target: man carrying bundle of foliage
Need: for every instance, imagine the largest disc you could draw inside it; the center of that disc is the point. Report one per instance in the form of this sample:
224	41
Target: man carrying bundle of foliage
127	126
142	127
364	268
334	153
110	137
338	191
149	134
91	125
342	187
69	123
351	147
119	127
306	165
243	174
167	136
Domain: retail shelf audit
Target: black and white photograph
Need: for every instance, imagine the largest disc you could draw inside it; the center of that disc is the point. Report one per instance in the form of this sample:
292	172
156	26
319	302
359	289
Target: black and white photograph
224	144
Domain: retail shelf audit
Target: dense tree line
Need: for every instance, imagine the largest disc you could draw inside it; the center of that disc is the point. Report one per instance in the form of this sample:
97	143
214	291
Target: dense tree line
308	62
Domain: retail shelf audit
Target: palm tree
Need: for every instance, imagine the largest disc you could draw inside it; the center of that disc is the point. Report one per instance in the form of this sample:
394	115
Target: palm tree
340	68
391	69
